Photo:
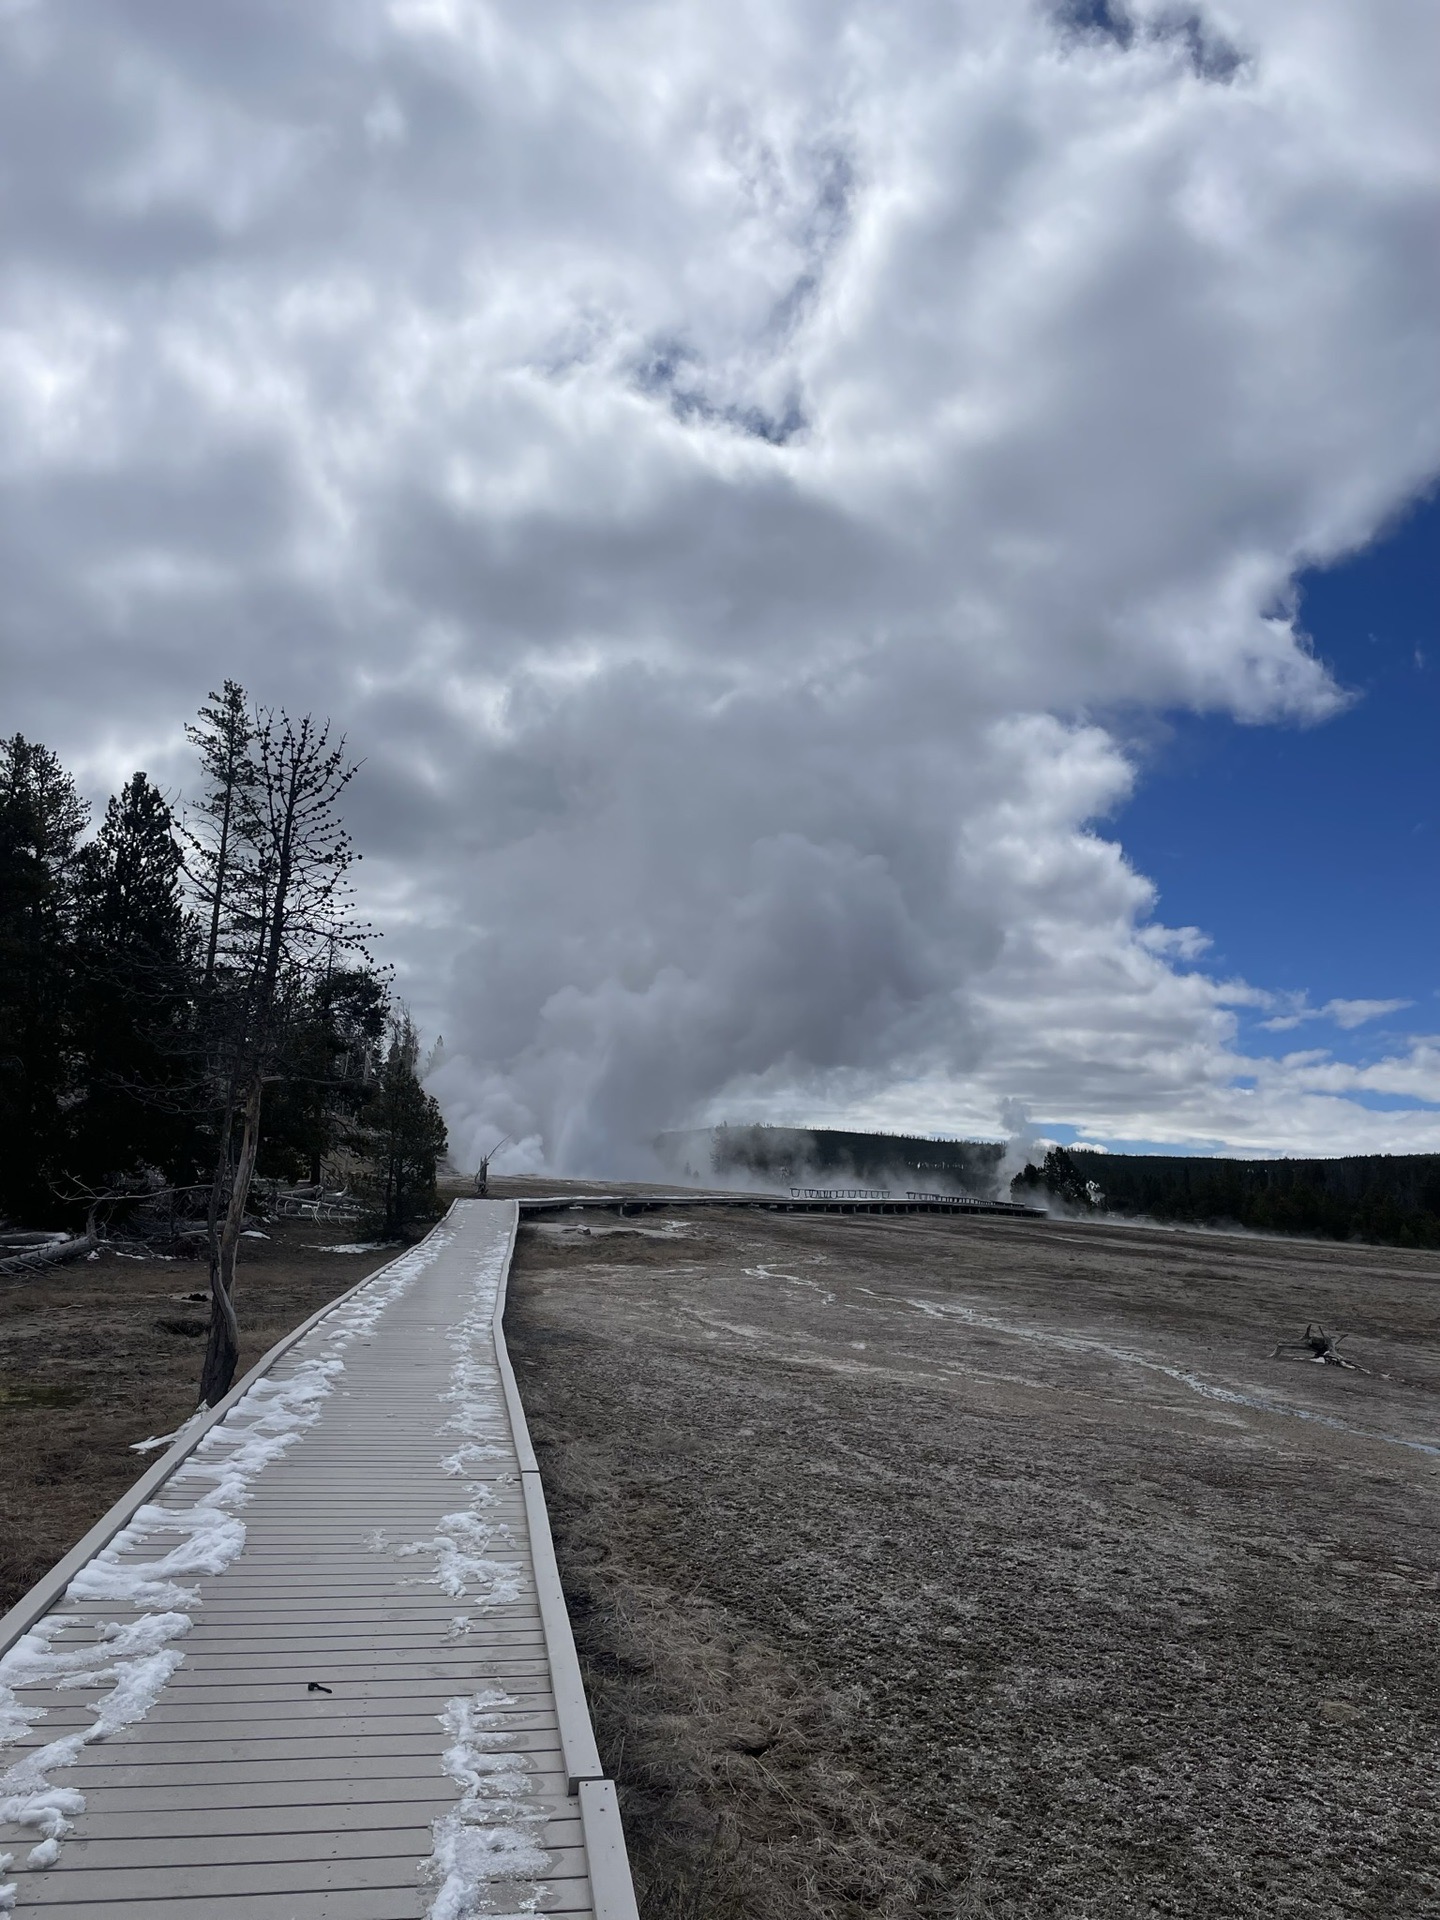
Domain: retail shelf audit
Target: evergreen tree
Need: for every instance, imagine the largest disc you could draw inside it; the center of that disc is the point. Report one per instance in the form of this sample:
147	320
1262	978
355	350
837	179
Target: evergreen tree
327	1071
402	1134
133	997
41	821
223	735
1063	1178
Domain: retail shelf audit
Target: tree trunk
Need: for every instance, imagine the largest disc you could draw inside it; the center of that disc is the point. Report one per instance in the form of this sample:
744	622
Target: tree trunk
222	1353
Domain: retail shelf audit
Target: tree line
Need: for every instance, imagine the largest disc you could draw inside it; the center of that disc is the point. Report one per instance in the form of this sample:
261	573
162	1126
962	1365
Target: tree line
1386	1199
188	1000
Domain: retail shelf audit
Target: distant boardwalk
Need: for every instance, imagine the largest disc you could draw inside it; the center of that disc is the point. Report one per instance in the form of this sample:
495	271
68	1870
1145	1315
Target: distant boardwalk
324	1669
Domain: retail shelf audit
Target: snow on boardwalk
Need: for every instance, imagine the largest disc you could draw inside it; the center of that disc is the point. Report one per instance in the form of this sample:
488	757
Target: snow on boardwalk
324	1669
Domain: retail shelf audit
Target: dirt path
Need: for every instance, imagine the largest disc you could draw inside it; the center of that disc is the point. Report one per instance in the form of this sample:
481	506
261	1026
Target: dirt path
965	1568
106	1352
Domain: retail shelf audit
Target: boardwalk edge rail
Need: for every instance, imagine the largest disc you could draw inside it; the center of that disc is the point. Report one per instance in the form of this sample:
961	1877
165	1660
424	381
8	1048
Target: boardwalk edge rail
611	1887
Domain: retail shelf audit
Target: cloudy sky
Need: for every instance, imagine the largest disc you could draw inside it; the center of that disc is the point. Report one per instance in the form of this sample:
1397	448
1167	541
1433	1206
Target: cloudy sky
839	530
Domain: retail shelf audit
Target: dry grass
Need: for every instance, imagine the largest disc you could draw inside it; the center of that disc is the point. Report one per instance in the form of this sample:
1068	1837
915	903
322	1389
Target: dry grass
106	1352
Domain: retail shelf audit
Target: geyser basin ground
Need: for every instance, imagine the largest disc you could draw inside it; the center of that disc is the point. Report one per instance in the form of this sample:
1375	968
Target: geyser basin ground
937	1568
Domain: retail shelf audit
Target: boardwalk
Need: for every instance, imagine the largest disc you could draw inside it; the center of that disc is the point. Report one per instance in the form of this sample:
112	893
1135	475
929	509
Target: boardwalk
324	1670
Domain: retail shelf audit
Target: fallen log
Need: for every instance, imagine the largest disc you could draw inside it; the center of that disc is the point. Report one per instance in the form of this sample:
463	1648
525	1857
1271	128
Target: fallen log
56	1253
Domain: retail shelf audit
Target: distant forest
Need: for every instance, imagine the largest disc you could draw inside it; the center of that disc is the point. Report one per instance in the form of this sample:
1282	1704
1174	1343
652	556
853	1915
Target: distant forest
1391	1200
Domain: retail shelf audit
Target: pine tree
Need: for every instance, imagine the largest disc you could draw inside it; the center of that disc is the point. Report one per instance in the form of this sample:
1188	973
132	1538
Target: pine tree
402	1134
133	997
223	735
41	821
326	1072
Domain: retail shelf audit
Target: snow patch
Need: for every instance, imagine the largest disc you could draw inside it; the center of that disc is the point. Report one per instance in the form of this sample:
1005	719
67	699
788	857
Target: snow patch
158	1440
462	1545
488	1840
486	1853
471	1455
352	1246
136	1659
215	1538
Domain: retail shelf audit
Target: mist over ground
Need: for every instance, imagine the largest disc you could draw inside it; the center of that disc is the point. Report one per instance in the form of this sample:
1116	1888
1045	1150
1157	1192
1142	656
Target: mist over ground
749	479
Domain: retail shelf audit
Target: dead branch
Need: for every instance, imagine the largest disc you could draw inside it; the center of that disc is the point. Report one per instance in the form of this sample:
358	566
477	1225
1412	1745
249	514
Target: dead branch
1320	1346
55	1253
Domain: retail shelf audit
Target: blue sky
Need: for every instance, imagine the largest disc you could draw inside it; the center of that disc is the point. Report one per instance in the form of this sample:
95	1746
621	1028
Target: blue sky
1308	854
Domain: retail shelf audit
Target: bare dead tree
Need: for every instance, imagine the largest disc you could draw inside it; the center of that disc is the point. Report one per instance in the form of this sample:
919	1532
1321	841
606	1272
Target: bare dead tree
482	1177
271	856
1320	1346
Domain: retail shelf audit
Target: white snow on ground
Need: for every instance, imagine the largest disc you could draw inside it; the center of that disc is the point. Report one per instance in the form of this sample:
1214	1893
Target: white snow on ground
158	1440
353	1246
488	1839
214	1538
137	1658
485	1848
462	1548
466	1457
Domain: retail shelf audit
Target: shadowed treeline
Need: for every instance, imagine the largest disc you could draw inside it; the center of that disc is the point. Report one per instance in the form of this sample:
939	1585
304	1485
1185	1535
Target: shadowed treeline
1392	1199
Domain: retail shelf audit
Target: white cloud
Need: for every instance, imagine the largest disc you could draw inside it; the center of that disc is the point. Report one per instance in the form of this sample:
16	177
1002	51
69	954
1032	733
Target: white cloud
1348	1014
1355	1013
1185	943
720	462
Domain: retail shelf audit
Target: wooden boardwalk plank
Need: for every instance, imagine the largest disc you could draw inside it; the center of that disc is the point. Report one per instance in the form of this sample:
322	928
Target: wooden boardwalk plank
284	1712
344	1871
230	1832
366	1519
568	1897
232	1748
158	1798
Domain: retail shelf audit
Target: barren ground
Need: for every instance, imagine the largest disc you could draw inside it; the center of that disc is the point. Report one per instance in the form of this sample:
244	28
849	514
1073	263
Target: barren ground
944	1567
106	1352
